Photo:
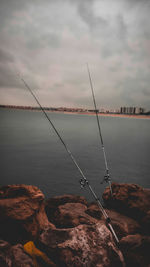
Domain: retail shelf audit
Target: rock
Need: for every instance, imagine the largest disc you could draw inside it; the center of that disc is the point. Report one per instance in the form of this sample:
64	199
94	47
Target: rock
60	200
52	204
122	224
81	237
20	257
14	256
129	199
94	211
38	256
83	245
136	250
71	215
22	213
5	254
146	223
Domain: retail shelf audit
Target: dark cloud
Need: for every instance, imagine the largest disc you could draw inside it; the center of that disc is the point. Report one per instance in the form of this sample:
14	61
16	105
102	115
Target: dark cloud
9	72
116	66
50	40
8	8
5	56
42	40
110	32
86	12
121	27
133	3
7	77
146	91
135	87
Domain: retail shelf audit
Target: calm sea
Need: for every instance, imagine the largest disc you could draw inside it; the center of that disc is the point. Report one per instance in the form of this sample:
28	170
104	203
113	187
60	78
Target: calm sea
31	153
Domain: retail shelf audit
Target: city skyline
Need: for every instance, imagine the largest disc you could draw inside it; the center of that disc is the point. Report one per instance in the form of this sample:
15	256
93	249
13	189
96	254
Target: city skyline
49	43
121	110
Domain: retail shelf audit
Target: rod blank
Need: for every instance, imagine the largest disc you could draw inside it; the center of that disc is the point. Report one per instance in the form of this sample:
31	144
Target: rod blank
107	175
84	182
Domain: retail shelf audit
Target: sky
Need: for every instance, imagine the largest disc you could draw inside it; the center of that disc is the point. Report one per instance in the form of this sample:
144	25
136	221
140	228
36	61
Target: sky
49	43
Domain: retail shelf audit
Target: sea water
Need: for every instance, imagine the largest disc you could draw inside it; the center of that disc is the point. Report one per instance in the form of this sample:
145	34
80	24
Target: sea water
31	153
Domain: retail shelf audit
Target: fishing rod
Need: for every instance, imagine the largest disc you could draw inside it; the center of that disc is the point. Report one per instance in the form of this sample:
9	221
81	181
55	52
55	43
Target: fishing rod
83	181
106	178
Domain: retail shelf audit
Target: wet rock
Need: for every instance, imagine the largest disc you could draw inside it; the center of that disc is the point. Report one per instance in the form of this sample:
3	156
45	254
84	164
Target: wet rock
83	245
14	256
122	224
136	250
5	254
81	237
145	222
60	200
71	215
22	213
20	257
129	199
52	204
94	211
38	256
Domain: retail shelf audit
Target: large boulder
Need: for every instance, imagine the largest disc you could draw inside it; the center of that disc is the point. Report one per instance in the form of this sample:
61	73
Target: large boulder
123	225
71	215
20	257
22	212
81	237
52	204
131	200
145	222
136	250
14	256
39	257
83	245
5	254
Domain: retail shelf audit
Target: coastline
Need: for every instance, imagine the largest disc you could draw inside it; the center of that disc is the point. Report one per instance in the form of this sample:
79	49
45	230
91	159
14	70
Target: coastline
138	116
107	115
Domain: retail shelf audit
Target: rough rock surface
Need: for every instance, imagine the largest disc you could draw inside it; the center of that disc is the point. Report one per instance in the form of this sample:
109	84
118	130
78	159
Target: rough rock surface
134	201
14	256
136	249
52	204
122	224
5	254
130	199
22	212
71	215
83	245
38	256
145	222
20	257
80	236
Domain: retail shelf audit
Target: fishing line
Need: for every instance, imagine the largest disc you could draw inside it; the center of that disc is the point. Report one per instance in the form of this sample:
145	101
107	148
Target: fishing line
83	181
107	178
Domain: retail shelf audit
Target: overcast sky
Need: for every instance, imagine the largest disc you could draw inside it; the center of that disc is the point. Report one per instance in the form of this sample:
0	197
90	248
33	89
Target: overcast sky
49	42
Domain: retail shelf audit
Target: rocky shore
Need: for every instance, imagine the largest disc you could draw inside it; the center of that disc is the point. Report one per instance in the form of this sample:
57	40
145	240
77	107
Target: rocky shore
68	231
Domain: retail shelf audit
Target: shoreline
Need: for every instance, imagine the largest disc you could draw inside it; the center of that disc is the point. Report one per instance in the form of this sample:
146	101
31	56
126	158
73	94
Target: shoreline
107	115
140	116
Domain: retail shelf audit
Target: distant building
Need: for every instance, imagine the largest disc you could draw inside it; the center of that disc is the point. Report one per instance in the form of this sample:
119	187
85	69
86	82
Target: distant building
131	110
93	110
139	110
102	110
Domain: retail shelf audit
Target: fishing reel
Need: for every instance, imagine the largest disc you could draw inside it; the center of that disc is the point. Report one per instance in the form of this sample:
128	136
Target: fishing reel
106	178
83	182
